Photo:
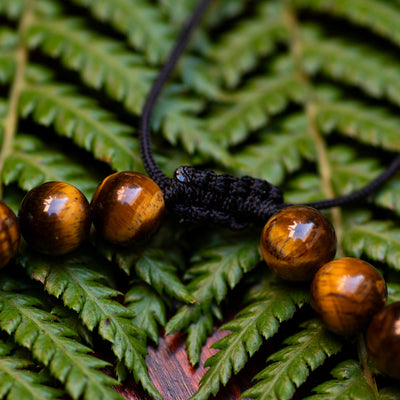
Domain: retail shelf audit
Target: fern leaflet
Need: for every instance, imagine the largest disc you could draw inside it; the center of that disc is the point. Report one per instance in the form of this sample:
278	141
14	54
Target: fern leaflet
55	345
217	269
100	61
147	307
32	163
18	378
270	305
79	118
379	240
291	366
143	24
249	108
82	289
349	383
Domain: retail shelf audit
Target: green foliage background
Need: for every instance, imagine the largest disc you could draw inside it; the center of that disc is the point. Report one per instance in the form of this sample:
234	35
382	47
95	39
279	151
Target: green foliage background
303	93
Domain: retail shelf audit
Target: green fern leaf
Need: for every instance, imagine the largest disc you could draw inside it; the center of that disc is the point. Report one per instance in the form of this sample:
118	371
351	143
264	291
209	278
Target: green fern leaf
82	290
144	24
389	196
157	270
248	42
19	380
79	118
217	269
291	366
55	345
102	62
270	305
280	150
32	163
369	125
12	9
379	240
381	17
198	332
173	115
349	384
148	309
352	63
8	44
249	108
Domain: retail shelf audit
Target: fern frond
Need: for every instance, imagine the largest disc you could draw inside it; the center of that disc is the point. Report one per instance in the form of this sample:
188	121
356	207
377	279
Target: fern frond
270	305
280	150
249	108
389	196
389	393
292	365
379	240
175	116
349	383
142	22
55	345
147	307
8	43
248	42
381	17
217	269
100	61
370	125
82	290
32	163
354	64
12	9
79	118
197	334
156	268
19	380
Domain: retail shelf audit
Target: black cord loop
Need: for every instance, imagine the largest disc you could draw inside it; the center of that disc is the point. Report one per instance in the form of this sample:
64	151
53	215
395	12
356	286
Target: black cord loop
200	196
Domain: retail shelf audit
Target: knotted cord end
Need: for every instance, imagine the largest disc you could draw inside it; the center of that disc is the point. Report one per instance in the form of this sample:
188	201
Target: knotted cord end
201	196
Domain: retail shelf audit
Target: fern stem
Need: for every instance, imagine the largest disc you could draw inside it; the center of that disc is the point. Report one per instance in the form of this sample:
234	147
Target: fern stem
324	167
11	119
363	356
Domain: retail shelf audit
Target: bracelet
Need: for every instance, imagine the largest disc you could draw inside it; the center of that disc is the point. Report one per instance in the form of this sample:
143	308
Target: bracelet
297	242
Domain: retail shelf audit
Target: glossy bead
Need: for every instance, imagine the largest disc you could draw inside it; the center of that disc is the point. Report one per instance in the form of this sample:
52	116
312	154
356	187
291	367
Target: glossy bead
383	340
127	206
297	241
346	293
55	218
9	234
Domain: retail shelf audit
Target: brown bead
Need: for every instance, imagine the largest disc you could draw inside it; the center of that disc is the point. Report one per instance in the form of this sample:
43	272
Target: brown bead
383	340
297	241
9	234
346	293
55	218
127	206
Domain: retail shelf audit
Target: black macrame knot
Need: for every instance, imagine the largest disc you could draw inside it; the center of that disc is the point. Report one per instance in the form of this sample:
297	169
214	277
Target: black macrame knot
201	196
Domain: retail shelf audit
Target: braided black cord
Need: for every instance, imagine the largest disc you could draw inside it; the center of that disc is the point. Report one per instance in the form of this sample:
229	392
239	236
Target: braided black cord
146	151
203	196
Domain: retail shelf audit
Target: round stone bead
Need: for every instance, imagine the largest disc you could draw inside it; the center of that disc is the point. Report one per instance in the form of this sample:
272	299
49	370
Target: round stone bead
9	234
346	293
383	340
127	206
55	218
297	241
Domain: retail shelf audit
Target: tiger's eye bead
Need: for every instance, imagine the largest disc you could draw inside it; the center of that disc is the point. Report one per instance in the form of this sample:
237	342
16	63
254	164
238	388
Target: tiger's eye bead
346	293
55	218
383	340
297	241
9	234
127	206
